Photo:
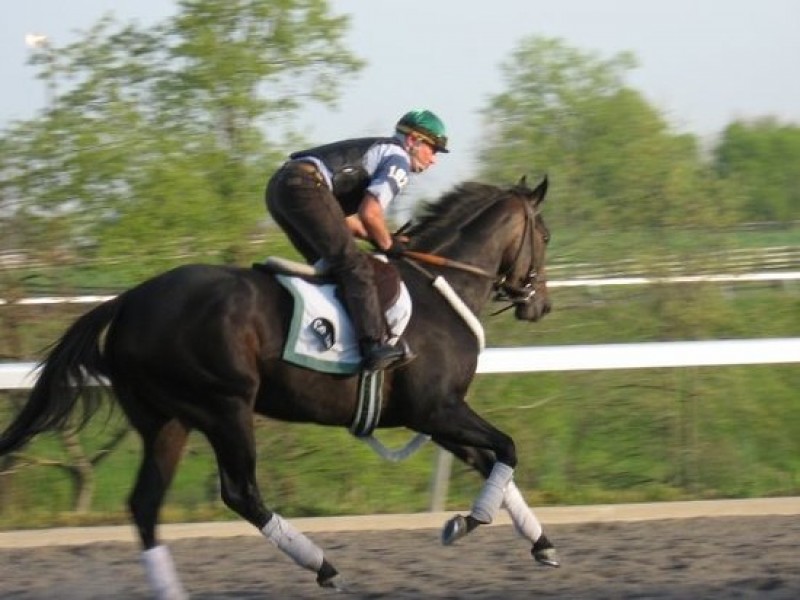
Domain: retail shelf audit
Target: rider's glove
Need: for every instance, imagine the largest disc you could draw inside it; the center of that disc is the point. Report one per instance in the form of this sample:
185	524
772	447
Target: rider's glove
397	248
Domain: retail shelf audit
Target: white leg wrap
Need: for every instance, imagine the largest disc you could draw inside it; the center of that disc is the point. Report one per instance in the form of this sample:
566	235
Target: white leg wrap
525	522
162	574
296	545
491	497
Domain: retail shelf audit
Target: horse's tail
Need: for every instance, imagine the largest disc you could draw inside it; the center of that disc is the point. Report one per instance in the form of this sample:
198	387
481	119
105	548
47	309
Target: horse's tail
65	377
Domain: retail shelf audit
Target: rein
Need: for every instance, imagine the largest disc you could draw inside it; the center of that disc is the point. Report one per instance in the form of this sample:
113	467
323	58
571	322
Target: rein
441	261
504	291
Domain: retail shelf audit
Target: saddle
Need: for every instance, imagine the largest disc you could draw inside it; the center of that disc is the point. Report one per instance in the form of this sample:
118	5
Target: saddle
386	276
313	321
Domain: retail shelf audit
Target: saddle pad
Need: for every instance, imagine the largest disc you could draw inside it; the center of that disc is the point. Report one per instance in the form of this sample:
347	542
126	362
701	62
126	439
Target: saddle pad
321	336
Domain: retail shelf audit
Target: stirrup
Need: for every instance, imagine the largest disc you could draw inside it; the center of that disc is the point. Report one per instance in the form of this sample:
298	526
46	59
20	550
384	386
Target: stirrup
380	357
408	354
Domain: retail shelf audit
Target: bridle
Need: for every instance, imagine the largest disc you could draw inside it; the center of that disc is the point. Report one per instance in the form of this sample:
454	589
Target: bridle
524	291
505	290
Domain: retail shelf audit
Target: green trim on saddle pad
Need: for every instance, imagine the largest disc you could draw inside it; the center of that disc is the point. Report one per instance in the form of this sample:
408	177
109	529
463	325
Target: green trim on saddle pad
290	352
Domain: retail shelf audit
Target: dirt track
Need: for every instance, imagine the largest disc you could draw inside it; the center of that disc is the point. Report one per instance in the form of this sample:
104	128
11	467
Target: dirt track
701	557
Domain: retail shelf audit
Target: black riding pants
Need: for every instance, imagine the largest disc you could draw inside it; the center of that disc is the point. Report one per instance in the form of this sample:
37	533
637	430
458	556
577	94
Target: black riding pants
305	208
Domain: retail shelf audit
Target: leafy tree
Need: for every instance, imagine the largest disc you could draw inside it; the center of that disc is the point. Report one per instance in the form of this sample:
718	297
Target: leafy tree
612	157
169	132
763	159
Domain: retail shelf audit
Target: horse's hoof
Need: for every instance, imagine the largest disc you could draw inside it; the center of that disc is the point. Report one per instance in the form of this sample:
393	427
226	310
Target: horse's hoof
547	557
335	583
328	577
545	553
455	529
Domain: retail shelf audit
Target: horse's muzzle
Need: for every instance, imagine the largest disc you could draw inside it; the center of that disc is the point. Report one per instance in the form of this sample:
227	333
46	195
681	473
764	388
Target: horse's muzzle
534	310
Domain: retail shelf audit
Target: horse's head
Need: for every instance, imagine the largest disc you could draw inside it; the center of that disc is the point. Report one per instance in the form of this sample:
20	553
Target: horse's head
523	280
497	234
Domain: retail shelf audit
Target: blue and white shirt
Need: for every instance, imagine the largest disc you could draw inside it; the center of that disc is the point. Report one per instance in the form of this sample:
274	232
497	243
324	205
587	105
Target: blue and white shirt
380	166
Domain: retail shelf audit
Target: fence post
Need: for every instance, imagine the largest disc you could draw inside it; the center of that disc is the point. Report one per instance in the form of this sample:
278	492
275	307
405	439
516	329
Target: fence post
441	480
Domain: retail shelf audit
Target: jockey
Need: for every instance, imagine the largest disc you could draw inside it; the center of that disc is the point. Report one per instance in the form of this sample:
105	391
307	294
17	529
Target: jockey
325	197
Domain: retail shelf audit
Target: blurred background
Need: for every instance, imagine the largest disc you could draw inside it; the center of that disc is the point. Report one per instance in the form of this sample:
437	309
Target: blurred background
138	139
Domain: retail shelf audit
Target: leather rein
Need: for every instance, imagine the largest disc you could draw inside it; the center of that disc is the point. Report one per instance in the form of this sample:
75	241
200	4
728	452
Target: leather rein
504	289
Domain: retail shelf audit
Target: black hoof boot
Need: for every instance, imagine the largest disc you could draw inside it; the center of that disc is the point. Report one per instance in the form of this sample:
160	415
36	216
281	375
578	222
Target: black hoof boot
545	553
328	577
458	527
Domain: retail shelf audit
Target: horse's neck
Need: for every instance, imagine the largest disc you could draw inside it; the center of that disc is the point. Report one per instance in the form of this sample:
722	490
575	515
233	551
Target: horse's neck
480	245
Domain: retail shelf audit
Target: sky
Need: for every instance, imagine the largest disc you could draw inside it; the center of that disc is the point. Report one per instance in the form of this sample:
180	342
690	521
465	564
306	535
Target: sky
703	63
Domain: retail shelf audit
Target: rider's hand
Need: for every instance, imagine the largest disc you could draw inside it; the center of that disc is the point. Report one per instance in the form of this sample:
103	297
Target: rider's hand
397	249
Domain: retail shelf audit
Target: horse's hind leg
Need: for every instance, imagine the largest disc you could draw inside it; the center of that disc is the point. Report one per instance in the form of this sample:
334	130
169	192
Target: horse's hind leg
522	516
163	442
232	440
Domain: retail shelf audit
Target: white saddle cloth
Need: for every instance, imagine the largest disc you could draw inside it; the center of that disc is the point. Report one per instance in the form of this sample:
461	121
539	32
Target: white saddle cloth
337	353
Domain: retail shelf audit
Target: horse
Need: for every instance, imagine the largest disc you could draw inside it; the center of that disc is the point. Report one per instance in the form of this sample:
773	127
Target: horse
199	347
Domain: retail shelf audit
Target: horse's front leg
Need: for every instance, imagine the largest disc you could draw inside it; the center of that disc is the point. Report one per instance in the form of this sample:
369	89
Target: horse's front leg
485	507
522	516
456	424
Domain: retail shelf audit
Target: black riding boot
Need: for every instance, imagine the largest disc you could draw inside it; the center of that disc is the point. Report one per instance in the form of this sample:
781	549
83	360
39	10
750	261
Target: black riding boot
378	355
357	287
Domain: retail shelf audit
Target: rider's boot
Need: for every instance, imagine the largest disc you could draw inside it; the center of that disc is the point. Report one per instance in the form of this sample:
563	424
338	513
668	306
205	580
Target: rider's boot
378	356
361	300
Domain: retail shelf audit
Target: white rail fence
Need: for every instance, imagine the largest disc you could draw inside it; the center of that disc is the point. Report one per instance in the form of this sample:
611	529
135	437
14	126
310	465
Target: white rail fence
15	376
576	357
731	260
773	276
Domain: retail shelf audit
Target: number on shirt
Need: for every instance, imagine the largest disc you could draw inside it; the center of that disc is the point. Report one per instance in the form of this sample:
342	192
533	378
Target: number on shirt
399	175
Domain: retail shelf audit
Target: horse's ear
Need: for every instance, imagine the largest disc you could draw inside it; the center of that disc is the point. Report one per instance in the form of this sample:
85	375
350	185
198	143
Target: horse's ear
540	191
523	181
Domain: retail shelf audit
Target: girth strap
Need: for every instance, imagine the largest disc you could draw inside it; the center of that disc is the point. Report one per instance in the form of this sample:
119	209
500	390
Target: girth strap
368	411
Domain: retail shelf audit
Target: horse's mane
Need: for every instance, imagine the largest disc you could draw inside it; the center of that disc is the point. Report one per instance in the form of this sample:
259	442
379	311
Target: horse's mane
440	221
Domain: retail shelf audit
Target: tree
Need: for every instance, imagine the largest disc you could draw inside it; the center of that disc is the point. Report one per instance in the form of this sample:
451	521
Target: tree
157	142
762	158
611	156
167	133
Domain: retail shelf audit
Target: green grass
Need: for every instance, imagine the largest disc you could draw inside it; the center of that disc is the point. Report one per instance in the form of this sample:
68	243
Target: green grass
612	436
585	437
89	274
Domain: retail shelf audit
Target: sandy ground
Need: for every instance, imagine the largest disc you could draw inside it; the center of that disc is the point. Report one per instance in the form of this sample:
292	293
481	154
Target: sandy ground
701	557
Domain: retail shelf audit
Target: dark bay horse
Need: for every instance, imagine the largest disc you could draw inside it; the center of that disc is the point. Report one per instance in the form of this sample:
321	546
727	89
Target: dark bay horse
199	348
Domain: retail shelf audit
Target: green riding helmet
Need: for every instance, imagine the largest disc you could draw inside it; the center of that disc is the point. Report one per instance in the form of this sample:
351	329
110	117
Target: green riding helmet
426	125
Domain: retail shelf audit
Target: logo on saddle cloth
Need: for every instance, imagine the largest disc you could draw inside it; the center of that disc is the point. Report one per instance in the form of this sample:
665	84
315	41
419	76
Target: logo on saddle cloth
324	331
321	336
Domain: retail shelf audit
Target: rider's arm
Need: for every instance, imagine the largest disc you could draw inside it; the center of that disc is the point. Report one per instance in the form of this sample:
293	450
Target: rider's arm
389	166
370	214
